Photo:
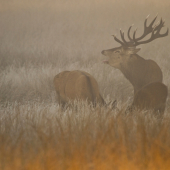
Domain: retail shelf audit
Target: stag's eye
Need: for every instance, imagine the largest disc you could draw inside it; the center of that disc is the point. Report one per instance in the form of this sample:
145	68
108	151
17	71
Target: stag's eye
117	51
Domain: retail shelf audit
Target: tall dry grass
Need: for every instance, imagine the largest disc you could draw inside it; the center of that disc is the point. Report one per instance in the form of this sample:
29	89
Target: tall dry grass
40	39
42	136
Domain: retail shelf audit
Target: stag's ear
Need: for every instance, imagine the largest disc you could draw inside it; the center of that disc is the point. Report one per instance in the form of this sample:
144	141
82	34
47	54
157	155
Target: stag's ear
131	51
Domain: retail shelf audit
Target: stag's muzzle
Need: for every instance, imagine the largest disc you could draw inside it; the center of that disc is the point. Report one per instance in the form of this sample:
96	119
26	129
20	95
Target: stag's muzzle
104	53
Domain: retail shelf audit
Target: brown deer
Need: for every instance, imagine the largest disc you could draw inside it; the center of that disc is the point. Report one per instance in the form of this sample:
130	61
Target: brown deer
136	69
151	97
80	85
145	75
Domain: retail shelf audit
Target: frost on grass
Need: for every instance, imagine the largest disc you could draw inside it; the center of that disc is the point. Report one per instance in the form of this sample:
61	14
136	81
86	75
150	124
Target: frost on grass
40	40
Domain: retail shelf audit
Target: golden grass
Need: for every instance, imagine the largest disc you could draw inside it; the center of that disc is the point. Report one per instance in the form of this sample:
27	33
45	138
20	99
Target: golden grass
47	137
49	160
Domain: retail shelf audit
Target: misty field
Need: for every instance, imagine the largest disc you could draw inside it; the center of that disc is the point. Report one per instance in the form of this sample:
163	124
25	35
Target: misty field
40	39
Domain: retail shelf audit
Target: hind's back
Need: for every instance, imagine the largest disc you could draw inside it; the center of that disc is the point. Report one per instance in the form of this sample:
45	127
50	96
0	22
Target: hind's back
71	85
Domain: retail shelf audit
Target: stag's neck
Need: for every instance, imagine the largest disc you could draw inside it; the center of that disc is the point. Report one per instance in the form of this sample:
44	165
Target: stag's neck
134	71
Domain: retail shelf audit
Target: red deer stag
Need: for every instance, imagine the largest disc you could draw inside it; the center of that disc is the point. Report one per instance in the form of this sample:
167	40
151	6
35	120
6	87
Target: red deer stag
136	69
71	85
145	75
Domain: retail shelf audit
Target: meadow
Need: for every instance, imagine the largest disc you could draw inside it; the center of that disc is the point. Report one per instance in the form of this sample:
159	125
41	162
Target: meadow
39	39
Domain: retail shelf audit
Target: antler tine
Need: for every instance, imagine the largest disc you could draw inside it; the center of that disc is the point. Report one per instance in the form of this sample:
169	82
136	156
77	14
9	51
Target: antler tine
122	36
151	24
165	34
163	23
116	39
154	35
159	25
134	39
158	29
156	25
147	29
146	22
129	33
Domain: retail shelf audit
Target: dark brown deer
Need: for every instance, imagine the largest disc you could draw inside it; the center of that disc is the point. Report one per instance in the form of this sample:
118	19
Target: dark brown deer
151	97
80	85
136	69
145	75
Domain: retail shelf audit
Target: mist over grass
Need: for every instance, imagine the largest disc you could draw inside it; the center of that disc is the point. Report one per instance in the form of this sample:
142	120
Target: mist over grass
40	39
38	43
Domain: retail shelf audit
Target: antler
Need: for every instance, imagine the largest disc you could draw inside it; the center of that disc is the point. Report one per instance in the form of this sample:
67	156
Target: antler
116	39
154	30
124	43
147	30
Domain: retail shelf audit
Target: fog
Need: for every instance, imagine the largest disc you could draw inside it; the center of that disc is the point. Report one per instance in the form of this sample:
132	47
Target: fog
39	39
50	25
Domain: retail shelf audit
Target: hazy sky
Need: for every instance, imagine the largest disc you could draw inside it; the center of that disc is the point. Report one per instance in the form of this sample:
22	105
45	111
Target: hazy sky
27	4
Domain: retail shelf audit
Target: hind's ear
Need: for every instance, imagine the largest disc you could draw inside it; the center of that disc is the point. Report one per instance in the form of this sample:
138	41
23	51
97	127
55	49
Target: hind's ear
131	51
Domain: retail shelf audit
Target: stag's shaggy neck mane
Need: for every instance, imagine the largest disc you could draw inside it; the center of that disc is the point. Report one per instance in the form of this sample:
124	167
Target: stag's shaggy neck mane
141	72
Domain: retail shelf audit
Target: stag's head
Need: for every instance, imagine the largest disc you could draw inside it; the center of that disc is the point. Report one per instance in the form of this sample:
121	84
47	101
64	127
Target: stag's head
119	55
128	49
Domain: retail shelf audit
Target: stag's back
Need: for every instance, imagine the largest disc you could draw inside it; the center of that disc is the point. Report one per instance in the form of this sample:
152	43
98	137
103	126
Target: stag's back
71	85
151	97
